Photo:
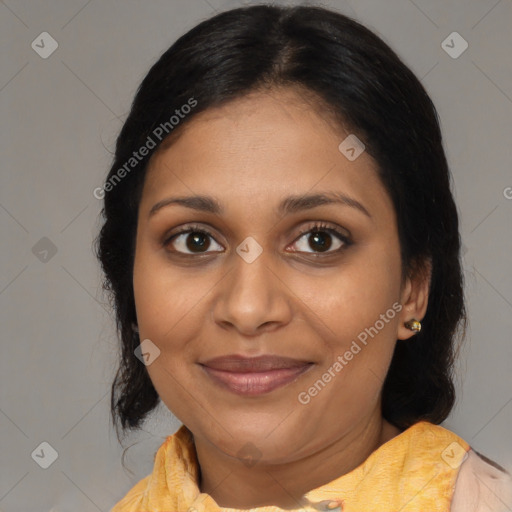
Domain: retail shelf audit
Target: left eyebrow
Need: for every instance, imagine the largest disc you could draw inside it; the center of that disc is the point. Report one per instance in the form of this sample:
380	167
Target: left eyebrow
290	205
293	204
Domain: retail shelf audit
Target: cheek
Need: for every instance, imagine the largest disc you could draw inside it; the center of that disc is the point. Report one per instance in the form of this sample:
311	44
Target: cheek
165	303
166	298
357	313
353	298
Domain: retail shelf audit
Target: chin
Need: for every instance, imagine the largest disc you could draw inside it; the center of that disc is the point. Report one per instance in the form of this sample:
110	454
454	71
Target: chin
253	445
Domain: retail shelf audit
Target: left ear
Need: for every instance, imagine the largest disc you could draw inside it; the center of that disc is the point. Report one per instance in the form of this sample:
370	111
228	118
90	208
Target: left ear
414	297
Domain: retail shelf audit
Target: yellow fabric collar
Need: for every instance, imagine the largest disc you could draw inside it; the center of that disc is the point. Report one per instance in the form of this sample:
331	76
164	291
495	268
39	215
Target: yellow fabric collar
413	472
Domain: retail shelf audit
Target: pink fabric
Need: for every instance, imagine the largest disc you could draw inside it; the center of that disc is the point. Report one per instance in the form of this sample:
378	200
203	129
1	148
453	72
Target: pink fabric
481	486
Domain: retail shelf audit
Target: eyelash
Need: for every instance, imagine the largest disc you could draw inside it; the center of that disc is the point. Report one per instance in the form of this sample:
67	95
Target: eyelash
320	226
323	227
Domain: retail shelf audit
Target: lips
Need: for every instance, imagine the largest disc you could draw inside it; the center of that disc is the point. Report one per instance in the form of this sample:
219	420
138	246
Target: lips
236	363
254	375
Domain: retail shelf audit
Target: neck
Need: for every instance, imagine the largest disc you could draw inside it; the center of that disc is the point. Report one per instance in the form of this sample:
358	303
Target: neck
234	485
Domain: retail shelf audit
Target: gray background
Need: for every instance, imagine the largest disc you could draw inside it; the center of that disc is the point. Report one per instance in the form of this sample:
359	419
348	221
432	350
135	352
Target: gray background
60	117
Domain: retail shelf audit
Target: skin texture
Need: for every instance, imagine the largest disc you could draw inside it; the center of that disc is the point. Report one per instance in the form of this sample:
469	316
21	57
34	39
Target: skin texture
294	300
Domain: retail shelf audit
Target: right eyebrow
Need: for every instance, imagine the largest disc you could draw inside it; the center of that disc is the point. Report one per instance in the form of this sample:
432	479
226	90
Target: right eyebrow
200	203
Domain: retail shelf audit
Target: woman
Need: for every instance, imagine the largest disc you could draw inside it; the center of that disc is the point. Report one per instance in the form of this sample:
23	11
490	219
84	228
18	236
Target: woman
282	247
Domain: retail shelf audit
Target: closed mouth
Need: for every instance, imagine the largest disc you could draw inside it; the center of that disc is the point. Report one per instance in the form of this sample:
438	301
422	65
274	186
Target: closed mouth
255	375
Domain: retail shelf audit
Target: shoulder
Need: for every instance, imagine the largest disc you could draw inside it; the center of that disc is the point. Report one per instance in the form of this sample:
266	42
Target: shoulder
173	458
482	486
135	497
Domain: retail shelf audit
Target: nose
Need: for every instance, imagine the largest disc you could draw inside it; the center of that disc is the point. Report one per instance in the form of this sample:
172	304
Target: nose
252	298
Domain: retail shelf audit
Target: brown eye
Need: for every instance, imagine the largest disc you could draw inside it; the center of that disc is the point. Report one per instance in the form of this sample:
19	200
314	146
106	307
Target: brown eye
192	241
321	239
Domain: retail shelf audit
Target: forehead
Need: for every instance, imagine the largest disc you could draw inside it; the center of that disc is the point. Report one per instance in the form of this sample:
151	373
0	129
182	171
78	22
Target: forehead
256	149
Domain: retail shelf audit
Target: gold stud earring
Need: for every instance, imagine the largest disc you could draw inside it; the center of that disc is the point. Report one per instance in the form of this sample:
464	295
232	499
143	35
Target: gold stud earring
413	325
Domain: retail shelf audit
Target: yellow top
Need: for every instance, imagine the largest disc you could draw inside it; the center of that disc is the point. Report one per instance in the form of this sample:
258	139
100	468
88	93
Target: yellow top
413	472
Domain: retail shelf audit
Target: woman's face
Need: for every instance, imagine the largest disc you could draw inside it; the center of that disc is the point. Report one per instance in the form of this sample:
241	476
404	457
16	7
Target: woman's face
301	261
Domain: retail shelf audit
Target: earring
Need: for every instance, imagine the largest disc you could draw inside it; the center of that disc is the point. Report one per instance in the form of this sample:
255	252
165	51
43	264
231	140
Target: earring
413	325
135	327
